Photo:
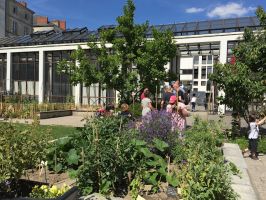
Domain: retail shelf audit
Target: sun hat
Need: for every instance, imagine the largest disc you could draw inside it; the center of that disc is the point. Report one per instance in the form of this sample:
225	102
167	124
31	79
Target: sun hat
172	99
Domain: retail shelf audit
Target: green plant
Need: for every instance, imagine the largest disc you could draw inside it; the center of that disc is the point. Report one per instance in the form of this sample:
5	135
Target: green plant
20	150
107	154
241	141
204	174
153	165
262	145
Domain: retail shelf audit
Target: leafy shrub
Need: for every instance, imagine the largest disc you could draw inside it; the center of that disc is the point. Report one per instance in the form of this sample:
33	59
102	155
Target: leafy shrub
62	155
262	145
135	109
107	154
204	174
241	141
20	150
152	166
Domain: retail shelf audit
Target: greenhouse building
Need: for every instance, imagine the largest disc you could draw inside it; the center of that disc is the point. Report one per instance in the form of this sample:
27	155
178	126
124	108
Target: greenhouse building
28	63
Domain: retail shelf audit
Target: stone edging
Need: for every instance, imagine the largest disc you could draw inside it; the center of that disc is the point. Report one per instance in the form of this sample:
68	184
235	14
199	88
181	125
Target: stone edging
241	184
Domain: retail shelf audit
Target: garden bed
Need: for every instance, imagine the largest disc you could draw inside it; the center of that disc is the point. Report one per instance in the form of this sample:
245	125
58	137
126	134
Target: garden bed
54	113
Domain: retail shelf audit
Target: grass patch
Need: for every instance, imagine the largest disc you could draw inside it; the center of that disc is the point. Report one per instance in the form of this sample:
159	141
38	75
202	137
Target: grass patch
56	131
243	143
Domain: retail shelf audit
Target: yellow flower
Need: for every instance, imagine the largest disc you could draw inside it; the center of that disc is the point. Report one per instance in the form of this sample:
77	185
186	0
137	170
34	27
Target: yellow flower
54	190
43	187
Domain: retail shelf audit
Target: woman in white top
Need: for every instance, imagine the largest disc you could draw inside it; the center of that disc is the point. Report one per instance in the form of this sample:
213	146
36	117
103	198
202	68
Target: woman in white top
146	103
254	135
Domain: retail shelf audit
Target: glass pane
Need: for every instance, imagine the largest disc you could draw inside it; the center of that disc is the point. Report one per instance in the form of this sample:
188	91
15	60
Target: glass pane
204	60
217	24
230	23
204	25
191	26
209	59
203	73
196	60
196	73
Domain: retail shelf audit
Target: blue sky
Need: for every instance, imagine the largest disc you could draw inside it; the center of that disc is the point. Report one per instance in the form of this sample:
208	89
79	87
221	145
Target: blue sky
95	13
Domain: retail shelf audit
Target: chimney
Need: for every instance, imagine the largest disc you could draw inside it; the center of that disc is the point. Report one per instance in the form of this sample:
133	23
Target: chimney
62	24
40	20
23	3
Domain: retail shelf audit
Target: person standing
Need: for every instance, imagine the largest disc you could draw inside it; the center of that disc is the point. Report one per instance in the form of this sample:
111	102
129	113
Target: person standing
146	103
193	102
142	94
166	97
179	113
254	135
178	91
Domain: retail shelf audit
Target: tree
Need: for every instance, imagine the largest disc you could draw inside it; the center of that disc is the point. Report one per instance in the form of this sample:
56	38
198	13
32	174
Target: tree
123	58
244	81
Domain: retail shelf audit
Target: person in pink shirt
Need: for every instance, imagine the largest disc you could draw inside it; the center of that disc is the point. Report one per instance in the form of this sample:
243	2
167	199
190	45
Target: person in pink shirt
179	114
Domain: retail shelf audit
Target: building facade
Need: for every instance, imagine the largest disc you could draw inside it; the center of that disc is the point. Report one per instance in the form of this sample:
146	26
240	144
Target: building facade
15	18
28	63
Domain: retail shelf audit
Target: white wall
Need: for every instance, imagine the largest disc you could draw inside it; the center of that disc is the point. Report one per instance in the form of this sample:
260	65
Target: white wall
186	62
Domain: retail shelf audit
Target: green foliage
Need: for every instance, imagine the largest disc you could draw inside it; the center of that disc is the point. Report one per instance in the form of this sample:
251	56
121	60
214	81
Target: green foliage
107	156
135	109
112	67
244	82
204	174
262	145
20	150
241	141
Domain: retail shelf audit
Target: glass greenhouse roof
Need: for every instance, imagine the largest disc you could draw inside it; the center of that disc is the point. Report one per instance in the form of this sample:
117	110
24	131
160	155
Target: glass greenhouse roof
178	29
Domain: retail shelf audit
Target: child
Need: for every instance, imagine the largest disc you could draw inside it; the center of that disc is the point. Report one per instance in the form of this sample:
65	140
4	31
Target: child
254	134
125	111
193	102
179	114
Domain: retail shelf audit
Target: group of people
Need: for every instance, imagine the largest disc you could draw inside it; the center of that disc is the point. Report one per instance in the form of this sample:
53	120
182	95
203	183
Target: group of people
173	102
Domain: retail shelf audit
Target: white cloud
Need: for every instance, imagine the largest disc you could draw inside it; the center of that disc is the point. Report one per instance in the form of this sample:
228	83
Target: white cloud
231	9
194	10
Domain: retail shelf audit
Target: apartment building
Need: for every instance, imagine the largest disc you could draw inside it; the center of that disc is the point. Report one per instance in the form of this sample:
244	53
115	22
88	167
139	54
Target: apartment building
15	18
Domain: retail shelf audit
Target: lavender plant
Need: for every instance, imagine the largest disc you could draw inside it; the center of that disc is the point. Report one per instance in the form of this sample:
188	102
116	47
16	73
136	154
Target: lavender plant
157	124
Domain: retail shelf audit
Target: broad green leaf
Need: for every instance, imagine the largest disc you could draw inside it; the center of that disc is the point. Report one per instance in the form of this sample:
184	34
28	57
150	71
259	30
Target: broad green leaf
160	145
72	157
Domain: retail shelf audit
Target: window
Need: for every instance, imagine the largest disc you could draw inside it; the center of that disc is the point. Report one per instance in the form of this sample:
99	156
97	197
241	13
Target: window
26	16
209	70
195	83
15	10
15	27
204	59
209	59
26	31
203	73
196	60
203	83
186	71
196	73
195	89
